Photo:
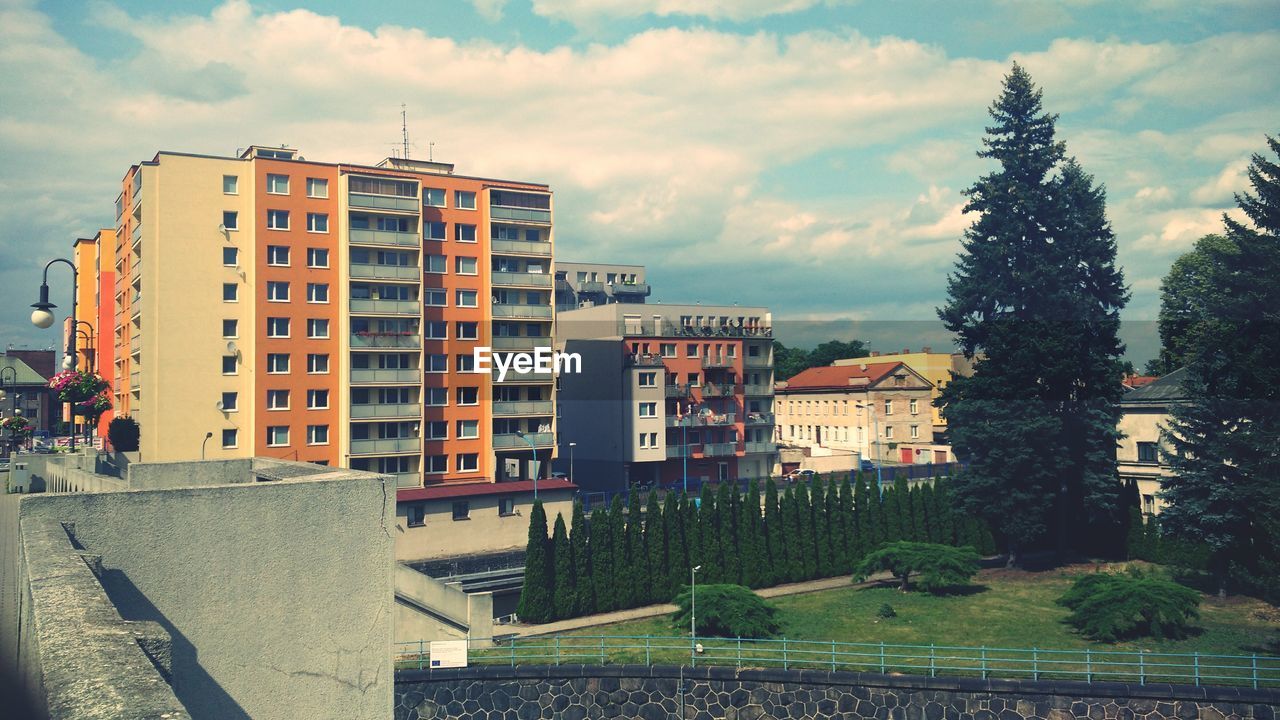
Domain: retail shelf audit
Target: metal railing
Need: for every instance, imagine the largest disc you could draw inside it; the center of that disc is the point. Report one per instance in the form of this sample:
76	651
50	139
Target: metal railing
520	279
1088	665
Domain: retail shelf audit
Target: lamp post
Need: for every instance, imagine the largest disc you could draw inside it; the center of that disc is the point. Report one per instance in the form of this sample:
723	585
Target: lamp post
202	443
875	429
520	434
89	345
42	318
572	445
693	606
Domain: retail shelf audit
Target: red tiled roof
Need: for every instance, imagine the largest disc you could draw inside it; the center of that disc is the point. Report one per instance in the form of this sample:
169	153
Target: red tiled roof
838	376
448	491
1137	381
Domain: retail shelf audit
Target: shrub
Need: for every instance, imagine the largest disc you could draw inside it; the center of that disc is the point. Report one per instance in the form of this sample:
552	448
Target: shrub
939	566
123	433
727	611
1117	606
886	611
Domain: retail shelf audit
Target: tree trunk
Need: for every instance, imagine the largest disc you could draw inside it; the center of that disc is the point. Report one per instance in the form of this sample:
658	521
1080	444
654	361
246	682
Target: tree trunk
903	586
1012	560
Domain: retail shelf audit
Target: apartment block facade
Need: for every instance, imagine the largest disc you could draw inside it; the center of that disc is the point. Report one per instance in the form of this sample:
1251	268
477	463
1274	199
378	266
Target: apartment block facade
666	392
94	259
273	306
586	284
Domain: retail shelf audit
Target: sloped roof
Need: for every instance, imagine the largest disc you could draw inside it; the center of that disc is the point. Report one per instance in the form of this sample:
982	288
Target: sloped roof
1165	389
838	376
26	376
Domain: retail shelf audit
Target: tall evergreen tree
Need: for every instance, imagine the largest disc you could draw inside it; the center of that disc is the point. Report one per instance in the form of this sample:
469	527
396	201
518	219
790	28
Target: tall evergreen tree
864	540
1035	297
584	602
602	560
846	546
1224	491
946	512
752	525
729	560
655	544
623	585
919	515
565	593
692	537
774	550
804	526
677	552
709	536
637	554
791	543
536	596
1184	292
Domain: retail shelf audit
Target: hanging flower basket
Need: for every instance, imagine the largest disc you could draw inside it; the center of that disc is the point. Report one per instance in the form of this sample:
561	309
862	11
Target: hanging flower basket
78	386
95	406
17	426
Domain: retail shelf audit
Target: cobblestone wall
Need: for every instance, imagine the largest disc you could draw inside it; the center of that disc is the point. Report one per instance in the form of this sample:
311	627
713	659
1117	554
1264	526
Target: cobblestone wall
577	692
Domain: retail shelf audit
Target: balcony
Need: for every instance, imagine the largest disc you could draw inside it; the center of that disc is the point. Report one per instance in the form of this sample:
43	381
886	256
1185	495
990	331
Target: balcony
758	361
520	247
135	380
408	479
520	279
135	345
713	390
386	272
386	446
715	420
665	328
520	343
719	449
135	273
718	361
677	391
521	215
757	389
135	237
508	408
677	451
515	378
648	360
759	418
384	237
386	341
537	312
385	307
399	377
630	289
386	410
515	442
754	448
590	286
383	202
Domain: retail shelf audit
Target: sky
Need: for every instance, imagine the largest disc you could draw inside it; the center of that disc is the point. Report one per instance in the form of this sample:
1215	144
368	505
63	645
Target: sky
806	155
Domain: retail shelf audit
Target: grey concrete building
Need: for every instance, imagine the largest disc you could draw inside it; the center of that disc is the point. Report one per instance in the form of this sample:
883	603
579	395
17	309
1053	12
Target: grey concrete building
586	284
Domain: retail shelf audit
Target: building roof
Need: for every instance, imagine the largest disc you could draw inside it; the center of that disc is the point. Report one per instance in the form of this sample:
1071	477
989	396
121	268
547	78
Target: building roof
449	491
834	377
1136	381
26	376
1164	389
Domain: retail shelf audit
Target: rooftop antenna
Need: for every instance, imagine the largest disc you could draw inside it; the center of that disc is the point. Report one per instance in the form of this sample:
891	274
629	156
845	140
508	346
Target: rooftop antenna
431	152
404	131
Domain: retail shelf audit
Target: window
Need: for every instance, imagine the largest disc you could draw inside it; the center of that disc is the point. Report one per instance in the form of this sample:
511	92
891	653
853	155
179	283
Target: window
1149	504
317	434
277	399
277	436
437	363
230	256
317	292
468	429
468	298
464	200
230	185
277	291
506	506
318	363
464	233
433	230
468	396
230	220
1147	452
437	464
278	255
915	432
317	188
277	363
230	402
435	330
695	380
230	292
461	510
417	515
648	409
277	184
229	365
888	432
277	219
317	328
230	328
277	327
466	266
317	222
466	363
230	438
437	397
468	330
648	379
435	298
435	264
317	257
914	407
433	197
888	407
438	430
667	350
691	350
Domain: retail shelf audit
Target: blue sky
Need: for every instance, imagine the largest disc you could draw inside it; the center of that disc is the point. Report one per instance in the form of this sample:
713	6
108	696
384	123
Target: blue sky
807	155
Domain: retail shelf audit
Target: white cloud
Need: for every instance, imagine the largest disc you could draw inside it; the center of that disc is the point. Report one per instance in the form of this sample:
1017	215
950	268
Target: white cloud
590	11
490	10
1222	189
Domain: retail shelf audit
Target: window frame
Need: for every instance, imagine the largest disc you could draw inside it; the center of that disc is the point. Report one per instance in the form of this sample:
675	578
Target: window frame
271	182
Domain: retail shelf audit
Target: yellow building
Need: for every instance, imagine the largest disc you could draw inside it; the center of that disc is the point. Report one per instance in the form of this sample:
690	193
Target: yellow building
937	368
1142	457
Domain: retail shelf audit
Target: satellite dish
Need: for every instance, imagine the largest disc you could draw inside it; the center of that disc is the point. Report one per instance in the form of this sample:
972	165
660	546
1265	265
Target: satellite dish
222	228
231	347
219	405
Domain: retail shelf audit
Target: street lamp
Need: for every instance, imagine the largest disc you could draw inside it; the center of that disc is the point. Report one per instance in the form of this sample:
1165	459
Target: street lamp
520	434
202	443
875	429
572	445
693	611
9	378
42	317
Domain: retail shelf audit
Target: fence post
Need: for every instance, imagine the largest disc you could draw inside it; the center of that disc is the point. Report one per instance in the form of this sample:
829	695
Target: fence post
1142	668
882	668
932	667
419	654
647	661
784	654
1196	660
513	652
739	651
557	649
1035	664
833	656
984	662
602	661
1088	665
1255	671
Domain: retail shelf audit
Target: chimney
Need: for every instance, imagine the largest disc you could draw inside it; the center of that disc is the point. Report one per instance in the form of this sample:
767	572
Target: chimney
926	349
906	351
875	353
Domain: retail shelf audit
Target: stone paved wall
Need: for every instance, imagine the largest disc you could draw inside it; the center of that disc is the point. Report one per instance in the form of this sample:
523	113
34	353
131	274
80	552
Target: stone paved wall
577	692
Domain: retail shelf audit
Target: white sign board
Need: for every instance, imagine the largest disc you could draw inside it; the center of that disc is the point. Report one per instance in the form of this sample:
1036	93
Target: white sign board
448	653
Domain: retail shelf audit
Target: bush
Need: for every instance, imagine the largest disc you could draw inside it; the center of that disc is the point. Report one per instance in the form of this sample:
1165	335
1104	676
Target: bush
887	612
727	611
939	566
123	433
1117	606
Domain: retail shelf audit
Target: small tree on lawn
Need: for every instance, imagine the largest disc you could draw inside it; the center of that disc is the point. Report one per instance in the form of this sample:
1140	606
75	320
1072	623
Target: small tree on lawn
536	595
1118	606
727	611
565	592
939	567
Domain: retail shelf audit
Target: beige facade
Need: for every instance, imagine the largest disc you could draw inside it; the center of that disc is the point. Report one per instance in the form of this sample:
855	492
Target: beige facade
937	368
1141	456
435	524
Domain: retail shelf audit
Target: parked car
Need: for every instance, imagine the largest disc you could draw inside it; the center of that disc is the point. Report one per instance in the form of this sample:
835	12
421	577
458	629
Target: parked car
559	476
801	475
867	466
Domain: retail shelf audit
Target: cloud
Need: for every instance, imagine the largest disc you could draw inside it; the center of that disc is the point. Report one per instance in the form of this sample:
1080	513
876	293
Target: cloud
591	11
1222	189
490	10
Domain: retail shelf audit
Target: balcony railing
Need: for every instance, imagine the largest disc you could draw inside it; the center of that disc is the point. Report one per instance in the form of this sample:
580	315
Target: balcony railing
386	410
526	215
677	391
515	378
135	345
713	390
136	271
644	360
386	446
522	407
408	479
590	286
383	202
386	307
641	289
515	442
757	361
400	376
761	447
541	312
520	247
758	389
386	341
759	418
519	343
719	449
677	451
386	272
135	380
717	361
384	237
520	279
135	237
666	328
719	420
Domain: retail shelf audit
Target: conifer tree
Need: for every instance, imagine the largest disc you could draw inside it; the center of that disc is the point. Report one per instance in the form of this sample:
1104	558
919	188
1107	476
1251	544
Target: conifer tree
709	536
864	538
565	595
726	543
655	543
637	555
919	514
774	550
692	537
602	560
536	597
584	602
677	553
752	527
623	587
946	515
845	529
791	536
808	549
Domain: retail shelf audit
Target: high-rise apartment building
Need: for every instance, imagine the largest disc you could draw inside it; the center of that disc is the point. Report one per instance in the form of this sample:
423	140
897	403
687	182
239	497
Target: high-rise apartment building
587	284
269	305
667	392
94	322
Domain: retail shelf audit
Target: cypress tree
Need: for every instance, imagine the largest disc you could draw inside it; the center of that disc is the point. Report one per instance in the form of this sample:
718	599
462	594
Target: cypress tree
655	543
637	554
536	596
919	515
752	525
584	602
602	562
946	512
804	526
864	538
891	513
841	526
791	537
709	536
692	537
564	599
727	551
677	553
774	550
623	587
